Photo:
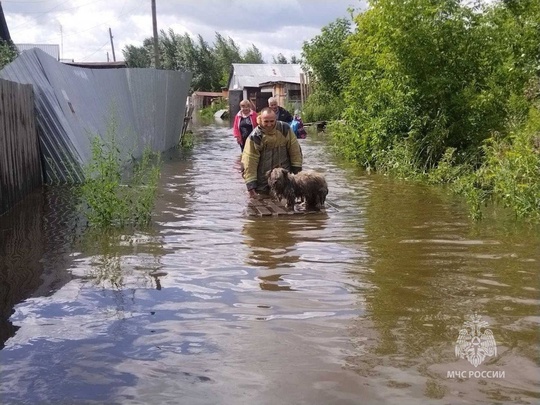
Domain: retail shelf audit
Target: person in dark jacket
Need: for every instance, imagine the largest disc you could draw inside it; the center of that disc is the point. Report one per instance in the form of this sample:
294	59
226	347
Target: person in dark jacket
281	113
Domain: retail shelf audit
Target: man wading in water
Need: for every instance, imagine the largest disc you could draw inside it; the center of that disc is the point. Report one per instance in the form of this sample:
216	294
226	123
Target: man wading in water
271	144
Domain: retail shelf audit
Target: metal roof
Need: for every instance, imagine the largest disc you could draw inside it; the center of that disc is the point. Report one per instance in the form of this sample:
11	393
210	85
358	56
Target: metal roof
49	49
75	104
252	75
207	93
96	65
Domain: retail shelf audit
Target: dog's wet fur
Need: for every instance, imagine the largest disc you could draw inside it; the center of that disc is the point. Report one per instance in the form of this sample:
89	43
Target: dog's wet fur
307	186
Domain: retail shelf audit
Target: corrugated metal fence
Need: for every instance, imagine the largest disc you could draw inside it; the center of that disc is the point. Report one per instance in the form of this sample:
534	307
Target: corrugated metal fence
74	104
20	168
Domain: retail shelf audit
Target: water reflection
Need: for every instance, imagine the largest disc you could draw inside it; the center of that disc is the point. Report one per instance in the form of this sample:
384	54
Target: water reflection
278	245
431	269
36	237
117	259
271	242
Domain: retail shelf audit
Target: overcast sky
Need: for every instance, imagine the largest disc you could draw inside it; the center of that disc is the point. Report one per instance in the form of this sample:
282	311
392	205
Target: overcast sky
81	27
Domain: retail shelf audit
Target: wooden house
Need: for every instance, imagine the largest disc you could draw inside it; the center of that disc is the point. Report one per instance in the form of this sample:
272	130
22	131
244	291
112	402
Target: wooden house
259	82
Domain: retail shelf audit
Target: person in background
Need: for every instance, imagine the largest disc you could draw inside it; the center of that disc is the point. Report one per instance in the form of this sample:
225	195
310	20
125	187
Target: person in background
271	144
244	122
281	113
297	125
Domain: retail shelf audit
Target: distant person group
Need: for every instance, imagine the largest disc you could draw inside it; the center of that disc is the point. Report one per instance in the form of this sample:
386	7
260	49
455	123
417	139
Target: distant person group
267	141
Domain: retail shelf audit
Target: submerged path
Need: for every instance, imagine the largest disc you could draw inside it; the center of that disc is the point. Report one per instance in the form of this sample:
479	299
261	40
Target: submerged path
360	304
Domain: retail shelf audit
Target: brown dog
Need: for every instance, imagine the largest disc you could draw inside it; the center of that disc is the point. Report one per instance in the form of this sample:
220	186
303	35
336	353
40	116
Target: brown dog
308	186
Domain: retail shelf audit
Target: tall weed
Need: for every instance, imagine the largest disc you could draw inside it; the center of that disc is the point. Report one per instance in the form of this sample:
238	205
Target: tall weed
118	191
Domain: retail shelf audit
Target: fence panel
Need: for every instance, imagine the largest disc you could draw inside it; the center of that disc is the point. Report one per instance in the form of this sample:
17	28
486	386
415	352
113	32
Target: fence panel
20	167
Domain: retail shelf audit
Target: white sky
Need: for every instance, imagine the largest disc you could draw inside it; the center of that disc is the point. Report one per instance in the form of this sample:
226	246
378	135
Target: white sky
81	27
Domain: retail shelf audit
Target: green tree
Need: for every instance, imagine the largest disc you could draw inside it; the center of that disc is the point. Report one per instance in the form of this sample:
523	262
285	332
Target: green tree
422	73
7	53
280	59
210	65
324	54
226	52
207	75
446	88
177	52
253	55
137	56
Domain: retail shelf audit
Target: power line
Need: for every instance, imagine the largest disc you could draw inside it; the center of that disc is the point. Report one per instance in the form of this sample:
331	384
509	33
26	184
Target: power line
102	46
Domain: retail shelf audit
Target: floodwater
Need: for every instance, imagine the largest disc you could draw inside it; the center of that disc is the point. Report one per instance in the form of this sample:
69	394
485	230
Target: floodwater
361	304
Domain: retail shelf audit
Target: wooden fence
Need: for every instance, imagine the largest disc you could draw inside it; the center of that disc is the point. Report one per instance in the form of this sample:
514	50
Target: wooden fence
20	167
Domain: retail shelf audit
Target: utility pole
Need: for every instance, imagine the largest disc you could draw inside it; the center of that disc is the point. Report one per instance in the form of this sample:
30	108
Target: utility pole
154	25
112	45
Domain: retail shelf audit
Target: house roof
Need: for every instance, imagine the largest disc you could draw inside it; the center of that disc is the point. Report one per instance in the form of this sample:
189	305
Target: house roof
275	82
207	93
252	75
98	65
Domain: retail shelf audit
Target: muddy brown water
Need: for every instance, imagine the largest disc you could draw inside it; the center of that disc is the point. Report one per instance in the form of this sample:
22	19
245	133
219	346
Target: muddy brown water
362	304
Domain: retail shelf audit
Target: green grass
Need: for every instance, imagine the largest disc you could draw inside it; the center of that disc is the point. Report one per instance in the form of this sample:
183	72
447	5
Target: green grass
187	141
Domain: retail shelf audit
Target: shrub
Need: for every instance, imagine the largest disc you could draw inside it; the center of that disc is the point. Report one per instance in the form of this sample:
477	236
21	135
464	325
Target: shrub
512	168
7	53
322	107
118	191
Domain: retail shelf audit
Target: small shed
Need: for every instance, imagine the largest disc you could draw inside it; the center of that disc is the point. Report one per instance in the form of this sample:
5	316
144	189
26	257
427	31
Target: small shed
203	99
259	82
285	92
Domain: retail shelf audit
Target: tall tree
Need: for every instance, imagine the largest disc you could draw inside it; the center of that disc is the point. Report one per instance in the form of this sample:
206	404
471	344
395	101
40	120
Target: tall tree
253	55
425	76
295	60
324	54
206	75
210	65
227	53
280	58
138	56
178	52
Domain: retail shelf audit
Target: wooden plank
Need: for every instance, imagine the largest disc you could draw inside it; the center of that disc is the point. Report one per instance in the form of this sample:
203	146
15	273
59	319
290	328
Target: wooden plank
276	208
264	211
257	202
265	206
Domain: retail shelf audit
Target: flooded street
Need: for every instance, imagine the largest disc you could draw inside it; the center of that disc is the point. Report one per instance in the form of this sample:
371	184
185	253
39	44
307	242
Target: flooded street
361	304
